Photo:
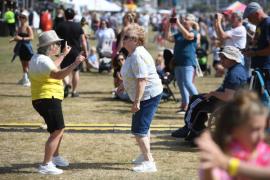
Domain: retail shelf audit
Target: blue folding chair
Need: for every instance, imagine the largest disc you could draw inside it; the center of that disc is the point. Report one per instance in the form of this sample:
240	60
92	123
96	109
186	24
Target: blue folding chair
257	84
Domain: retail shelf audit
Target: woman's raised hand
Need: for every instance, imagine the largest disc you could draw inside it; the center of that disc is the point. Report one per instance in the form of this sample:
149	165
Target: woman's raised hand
66	49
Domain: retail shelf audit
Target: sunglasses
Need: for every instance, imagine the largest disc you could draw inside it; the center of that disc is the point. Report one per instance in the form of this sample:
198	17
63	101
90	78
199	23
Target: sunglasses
22	17
121	59
58	43
129	37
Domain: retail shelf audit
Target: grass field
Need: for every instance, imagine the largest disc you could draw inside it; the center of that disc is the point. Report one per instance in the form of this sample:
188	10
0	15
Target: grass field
92	154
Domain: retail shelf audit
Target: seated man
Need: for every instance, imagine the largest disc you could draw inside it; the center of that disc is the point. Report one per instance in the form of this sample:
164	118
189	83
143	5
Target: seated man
200	105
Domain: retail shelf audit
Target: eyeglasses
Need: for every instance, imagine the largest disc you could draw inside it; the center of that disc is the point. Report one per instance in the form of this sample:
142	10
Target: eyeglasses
121	59
129	37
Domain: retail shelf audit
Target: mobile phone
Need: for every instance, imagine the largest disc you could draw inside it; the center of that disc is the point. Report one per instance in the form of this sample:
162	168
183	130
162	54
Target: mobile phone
82	53
172	20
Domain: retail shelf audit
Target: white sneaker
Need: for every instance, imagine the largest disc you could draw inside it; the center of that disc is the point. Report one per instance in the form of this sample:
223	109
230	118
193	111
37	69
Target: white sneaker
49	169
181	112
26	83
146	166
139	159
60	161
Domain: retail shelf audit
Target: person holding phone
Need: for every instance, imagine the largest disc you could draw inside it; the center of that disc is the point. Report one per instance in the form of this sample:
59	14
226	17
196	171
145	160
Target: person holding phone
236	36
184	56
47	95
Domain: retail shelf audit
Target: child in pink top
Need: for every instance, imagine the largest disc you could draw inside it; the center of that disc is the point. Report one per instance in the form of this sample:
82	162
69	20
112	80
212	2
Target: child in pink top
240	134
259	157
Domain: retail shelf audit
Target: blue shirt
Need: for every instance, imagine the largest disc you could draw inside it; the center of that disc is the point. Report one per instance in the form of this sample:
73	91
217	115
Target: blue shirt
263	40
185	50
235	78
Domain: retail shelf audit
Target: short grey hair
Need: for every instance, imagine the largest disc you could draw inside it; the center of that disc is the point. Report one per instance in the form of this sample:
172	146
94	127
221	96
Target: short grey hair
44	50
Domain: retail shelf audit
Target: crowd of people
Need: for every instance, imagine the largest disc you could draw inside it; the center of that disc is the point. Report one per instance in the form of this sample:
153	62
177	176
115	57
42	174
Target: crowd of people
238	41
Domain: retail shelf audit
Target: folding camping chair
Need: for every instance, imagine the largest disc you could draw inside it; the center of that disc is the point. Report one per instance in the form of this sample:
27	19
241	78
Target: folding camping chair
257	84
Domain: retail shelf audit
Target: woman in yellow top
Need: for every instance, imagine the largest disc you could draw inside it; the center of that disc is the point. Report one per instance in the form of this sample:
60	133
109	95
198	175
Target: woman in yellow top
47	95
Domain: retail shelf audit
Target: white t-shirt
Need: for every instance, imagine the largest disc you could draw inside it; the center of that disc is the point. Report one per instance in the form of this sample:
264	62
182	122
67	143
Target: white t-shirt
104	34
140	64
238	37
36	20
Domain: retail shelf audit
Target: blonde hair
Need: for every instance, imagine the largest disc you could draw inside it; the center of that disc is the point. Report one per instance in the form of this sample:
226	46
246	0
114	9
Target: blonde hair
138	31
93	49
234	114
159	59
129	17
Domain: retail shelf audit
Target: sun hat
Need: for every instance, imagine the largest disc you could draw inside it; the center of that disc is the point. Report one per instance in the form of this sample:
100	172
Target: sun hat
232	53
47	38
251	8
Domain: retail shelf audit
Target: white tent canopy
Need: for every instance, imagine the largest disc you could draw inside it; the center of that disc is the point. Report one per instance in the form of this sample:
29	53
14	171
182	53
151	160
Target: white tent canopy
95	5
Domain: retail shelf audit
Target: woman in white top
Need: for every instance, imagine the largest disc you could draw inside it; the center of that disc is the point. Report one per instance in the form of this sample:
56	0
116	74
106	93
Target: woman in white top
142	83
104	35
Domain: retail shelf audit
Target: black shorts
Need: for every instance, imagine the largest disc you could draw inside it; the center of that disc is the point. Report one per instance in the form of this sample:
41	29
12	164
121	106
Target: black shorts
69	59
51	111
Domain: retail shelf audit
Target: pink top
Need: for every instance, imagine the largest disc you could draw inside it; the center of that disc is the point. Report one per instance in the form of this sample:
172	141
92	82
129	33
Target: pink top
260	157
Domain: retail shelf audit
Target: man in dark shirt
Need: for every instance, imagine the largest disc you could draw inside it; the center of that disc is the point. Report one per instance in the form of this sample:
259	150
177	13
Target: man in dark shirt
200	105
72	33
260	54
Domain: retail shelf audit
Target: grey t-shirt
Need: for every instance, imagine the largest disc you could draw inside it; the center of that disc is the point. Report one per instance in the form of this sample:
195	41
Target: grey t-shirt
140	64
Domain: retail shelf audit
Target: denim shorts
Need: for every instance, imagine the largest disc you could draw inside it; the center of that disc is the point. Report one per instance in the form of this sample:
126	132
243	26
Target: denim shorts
142	119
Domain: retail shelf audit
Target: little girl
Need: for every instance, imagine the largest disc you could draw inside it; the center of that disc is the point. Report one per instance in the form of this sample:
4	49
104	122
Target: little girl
239	134
92	60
